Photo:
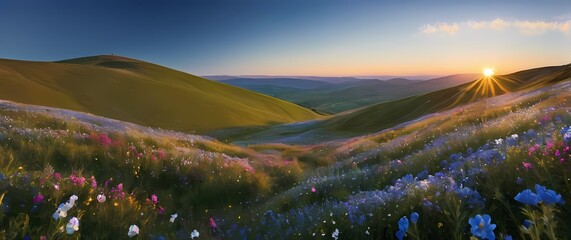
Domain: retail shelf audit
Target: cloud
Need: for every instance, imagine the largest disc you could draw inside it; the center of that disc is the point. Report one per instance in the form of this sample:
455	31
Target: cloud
525	27
496	24
540	27
449	28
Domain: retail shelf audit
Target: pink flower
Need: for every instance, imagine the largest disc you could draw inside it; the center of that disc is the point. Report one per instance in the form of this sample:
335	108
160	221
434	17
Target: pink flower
557	154
77	181
104	140
38	198
562	160
161	210
56	187
313	189
43	238
153	200
57	176
93	182
527	165
212	223
117	193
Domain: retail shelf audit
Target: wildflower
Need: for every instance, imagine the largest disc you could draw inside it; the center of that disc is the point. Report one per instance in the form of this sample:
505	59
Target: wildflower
56	187
403	223
335	234
64	207
101	198
104	140
77	181
527	197
527	165
548	196
527	223
57	176
212	223
482	227
173	217
194	234
508	237
153	200
43	238
313	189
38	198
133	230
161	210
93	182
72	225
414	217
400	234
557	153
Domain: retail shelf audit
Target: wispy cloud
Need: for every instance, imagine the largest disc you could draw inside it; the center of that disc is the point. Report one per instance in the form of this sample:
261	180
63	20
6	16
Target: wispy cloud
525	27
449	28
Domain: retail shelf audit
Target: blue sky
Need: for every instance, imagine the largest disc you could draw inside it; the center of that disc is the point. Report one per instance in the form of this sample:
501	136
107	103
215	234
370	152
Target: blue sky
316	37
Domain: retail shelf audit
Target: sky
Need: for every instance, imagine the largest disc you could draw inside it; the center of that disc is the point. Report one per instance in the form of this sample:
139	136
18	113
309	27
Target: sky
295	37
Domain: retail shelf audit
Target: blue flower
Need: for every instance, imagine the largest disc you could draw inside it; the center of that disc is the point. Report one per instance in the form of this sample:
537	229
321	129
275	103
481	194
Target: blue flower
527	223
548	196
414	217
508	237
400	234
528	197
403	224
482	227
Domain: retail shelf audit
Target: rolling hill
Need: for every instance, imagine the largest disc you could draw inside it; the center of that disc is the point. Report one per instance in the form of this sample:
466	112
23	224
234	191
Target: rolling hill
142	93
342	96
388	114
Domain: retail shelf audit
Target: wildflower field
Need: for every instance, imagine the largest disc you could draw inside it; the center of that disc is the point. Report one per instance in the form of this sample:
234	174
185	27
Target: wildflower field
494	169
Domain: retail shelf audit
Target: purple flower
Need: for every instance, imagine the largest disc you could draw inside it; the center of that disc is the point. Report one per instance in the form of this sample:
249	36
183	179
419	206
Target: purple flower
548	196
38	198
482	227
527	197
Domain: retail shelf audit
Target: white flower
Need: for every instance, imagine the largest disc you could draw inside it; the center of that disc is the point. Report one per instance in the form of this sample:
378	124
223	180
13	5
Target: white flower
194	234
133	230
101	198
335	234
72	225
173	217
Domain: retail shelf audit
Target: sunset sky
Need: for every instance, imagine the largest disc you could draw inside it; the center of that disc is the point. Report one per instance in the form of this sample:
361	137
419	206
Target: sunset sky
316	37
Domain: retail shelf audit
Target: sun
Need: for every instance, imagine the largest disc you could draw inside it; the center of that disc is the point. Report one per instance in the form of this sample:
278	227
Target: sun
488	72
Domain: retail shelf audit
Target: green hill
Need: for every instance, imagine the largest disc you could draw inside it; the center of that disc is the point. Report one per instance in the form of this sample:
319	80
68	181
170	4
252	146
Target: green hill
143	93
389	114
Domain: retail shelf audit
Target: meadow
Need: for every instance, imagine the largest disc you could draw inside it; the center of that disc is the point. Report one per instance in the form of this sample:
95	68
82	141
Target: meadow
493	169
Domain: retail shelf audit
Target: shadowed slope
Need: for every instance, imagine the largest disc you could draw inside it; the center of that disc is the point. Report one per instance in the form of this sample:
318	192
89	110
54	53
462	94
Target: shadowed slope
141	92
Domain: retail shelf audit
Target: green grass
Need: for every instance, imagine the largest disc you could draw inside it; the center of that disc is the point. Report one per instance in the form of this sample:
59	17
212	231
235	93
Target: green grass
142	93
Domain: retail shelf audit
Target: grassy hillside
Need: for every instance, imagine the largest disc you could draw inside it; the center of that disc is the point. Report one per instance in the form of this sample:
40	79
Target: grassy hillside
443	169
143	93
388	114
338	97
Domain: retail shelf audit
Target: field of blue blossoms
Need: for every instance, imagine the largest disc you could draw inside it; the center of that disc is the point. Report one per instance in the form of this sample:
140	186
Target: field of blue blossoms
497	169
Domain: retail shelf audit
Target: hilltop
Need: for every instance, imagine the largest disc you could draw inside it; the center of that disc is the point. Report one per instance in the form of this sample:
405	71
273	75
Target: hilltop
143	93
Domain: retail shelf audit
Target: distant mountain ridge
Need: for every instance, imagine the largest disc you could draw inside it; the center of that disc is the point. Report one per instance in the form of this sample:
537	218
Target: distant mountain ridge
143	93
334	98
